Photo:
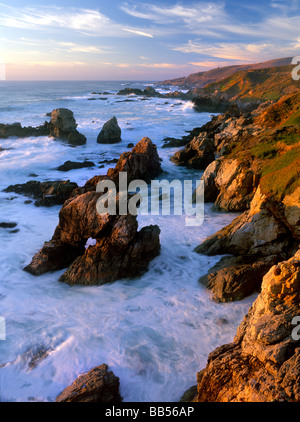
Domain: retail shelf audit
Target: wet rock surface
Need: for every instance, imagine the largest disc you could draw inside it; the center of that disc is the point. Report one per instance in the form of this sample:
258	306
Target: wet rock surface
98	385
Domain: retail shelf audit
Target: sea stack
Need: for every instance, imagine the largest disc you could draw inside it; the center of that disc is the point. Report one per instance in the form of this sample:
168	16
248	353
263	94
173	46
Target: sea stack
110	132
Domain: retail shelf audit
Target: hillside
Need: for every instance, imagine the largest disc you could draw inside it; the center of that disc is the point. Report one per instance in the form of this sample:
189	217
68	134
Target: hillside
255	84
201	79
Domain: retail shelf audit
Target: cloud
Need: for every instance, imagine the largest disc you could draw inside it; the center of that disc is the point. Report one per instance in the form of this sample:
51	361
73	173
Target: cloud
199	13
71	47
162	65
143	34
85	21
239	51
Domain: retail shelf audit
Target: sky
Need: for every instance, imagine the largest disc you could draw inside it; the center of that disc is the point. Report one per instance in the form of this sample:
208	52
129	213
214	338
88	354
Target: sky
141	40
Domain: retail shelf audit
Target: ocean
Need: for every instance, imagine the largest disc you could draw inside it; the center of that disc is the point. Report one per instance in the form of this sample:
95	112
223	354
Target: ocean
154	332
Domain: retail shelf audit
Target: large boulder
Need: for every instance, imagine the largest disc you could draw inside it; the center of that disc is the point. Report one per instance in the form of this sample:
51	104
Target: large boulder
63	126
262	364
110	132
97	386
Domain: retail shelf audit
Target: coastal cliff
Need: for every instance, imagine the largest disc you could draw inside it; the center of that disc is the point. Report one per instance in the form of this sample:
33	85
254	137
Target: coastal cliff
256	173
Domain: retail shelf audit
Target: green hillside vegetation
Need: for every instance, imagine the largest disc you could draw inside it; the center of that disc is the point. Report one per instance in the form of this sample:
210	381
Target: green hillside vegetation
256	84
276	150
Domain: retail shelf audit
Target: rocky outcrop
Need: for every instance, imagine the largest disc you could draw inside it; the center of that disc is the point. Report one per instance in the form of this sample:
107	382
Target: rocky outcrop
73	165
262	364
256	232
211	103
45	193
62	126
110	132
148	92
142	162
120	250
198	154
97	386
124	253
17	130
234	278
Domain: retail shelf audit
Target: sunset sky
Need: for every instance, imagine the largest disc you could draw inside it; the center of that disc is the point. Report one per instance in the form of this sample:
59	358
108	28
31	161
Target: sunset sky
137	40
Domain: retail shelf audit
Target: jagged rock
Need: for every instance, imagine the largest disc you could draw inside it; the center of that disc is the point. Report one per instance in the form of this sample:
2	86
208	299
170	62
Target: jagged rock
16	130
211	191
198	154
46	193
141	163
55	255
120	251
236	183
211	104
148	92
125	253
234	278
110	132
63	126
262	364
255	232
98	385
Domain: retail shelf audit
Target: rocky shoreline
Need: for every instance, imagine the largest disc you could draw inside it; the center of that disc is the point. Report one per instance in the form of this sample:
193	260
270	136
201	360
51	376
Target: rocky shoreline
262	363
251	163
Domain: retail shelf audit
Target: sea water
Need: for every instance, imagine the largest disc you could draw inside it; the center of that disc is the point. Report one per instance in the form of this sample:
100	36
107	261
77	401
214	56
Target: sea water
154	332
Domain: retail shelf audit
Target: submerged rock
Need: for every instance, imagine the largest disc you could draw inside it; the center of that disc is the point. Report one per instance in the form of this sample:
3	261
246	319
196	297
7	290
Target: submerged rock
46	193
110	132
98	385
72	165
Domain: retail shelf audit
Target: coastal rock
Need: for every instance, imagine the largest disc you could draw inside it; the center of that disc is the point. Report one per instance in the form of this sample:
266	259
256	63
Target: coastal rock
198	154
54	256
236	183
110	132
234	278
211	191
262	364
124	253
148	92
97	386
46	193
142	162
63	126
255	232
16	130
211	103
120	250
72	165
